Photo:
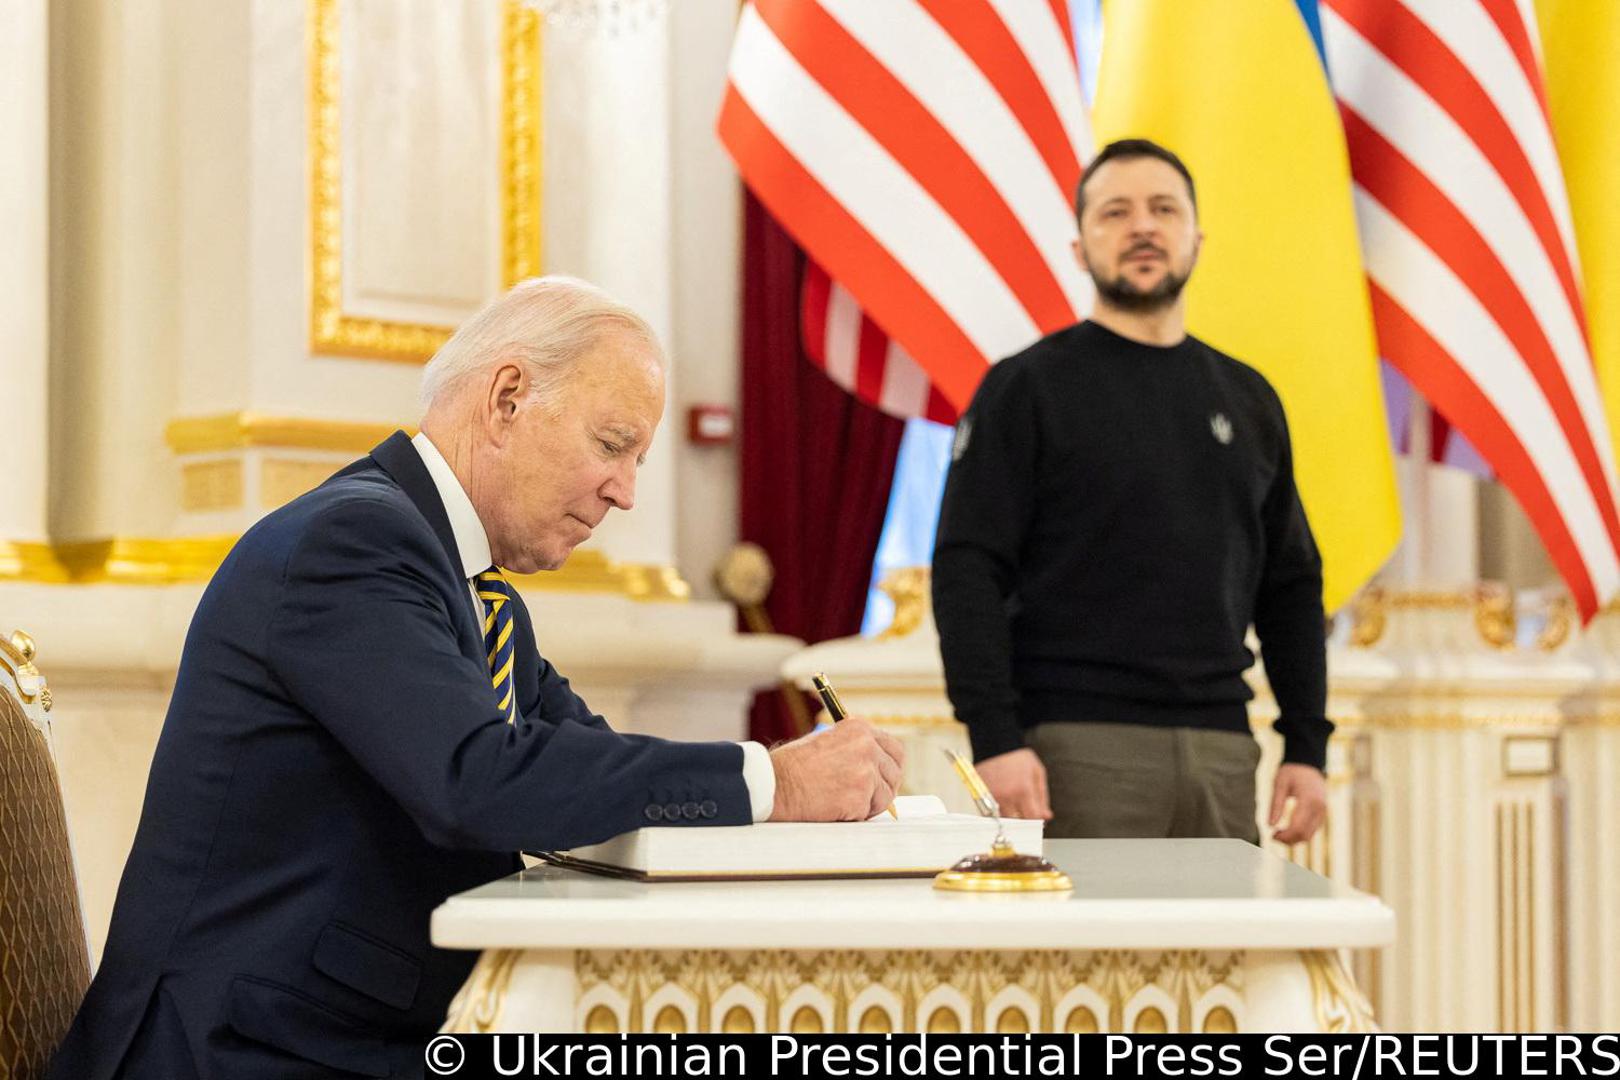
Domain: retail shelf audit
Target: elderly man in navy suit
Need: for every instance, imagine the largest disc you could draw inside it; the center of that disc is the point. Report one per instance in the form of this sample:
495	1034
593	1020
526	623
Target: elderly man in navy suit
363	724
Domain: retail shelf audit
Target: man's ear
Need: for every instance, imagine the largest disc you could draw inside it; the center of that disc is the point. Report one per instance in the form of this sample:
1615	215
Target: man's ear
507	386
1079	250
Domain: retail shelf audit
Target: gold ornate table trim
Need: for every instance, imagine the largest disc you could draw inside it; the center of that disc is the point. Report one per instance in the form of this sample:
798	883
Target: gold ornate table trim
842	990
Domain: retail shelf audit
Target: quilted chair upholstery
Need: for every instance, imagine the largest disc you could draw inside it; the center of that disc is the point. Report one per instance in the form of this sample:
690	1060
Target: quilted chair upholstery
44	961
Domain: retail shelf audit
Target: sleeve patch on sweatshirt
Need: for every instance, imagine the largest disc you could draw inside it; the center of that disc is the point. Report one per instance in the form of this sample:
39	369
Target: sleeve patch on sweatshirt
964	432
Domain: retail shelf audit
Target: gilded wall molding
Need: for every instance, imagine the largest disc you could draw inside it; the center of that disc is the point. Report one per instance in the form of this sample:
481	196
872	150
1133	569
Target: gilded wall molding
520	144
118	561
193	560
331	330
593	572
22	561
144	561
246	429
1492	605
1593	720
1457	721
916	721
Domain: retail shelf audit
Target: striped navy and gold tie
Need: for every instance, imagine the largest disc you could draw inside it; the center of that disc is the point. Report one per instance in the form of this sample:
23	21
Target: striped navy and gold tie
496	593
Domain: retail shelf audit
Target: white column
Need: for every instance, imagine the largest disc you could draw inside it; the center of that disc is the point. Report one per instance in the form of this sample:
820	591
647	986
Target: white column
707	288
24	266
115	296
1451	548
1440	509
609	220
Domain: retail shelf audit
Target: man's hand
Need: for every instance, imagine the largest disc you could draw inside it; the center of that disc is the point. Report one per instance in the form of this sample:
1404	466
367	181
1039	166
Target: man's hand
1307	787
846	774
1018	781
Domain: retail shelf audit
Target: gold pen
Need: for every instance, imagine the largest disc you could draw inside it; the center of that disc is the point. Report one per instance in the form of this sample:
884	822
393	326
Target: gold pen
835	710
977	789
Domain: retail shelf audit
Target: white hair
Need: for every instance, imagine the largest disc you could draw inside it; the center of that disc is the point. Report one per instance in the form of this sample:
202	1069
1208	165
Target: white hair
547	323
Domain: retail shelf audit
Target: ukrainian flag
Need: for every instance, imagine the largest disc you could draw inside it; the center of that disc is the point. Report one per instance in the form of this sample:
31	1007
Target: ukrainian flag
1580	40
1239	90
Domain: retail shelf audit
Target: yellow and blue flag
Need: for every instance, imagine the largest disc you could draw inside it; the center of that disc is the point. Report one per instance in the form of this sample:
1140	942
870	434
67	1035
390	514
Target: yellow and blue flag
1239	89
1580	40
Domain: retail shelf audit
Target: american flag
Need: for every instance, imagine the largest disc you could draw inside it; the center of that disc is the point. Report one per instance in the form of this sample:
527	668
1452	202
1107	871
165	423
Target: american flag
924	154
1470	254
843	341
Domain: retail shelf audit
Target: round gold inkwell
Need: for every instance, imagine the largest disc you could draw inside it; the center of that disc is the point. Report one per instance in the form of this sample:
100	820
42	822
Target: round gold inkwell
1001	869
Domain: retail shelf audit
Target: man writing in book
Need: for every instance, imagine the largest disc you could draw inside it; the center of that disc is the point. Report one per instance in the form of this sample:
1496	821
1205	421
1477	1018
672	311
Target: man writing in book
363	724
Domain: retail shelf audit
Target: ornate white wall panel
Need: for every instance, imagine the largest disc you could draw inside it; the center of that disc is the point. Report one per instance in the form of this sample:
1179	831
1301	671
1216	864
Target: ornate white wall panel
420	107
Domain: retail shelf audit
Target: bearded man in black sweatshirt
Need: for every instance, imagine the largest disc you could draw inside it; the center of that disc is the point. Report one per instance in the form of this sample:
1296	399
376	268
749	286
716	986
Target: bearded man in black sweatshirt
1120	509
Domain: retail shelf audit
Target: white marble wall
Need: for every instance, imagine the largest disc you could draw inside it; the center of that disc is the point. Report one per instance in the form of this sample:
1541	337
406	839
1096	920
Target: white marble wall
707	286
24	267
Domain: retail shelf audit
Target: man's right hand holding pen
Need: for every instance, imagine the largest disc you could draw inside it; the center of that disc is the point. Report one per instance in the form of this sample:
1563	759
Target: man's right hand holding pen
849	772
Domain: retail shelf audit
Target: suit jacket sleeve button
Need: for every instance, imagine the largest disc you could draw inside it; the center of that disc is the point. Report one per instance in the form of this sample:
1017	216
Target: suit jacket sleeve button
709	808
690	811
654	812
672	811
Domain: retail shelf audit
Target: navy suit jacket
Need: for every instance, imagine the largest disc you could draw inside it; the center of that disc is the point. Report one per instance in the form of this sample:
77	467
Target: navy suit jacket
332	766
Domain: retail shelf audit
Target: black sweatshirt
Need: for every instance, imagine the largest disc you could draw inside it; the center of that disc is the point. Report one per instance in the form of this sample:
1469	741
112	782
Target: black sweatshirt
1115	518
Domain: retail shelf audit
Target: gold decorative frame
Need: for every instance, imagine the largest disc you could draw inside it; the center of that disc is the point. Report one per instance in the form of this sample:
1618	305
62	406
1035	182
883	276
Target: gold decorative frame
332	331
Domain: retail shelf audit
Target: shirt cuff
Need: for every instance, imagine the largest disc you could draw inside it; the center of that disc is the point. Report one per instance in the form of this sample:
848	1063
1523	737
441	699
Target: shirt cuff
1305	743
760	776
993	735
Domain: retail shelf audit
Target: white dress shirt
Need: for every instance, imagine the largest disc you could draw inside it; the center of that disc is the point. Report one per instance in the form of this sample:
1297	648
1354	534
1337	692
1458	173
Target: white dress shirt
472	542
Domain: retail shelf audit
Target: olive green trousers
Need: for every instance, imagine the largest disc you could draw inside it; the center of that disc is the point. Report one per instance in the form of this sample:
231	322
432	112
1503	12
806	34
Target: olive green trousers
1130	780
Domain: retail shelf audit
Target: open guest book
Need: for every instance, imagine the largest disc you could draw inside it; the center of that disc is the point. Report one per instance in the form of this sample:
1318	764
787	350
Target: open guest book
920	841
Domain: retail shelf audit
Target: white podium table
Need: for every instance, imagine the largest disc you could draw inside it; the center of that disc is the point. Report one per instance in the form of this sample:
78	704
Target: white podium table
1158	935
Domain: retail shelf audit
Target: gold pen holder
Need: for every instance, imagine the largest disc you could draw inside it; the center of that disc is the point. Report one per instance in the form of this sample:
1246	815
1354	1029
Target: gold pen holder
1003	870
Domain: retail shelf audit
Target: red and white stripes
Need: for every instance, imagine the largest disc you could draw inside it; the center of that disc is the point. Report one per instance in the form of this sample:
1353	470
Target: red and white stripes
924	152
857	355
1466	232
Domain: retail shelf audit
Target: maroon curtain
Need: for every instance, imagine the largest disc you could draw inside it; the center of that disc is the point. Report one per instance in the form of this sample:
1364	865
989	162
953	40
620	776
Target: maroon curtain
816	463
